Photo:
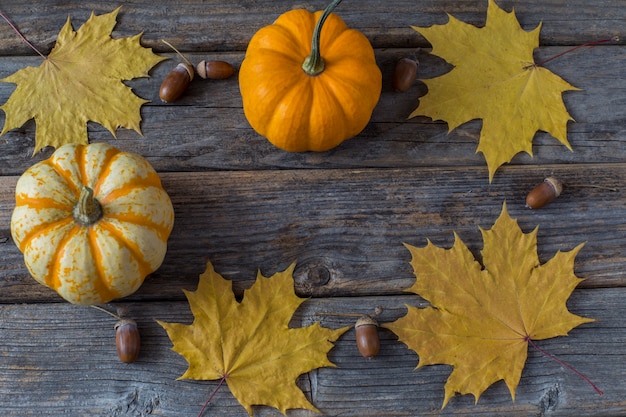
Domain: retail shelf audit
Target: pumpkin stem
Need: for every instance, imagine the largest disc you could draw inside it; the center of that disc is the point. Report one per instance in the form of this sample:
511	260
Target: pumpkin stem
88	210
314	64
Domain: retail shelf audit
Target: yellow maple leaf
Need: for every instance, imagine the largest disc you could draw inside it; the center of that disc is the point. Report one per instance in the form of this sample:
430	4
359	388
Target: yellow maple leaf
495	79
249	344
482	320
80	81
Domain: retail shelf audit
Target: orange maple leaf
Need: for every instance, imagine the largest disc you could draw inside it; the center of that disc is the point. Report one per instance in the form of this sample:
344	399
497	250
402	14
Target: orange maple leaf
249	344
80	81
481	320
494	79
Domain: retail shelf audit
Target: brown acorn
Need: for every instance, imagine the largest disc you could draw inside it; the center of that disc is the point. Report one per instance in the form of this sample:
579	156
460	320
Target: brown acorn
127	340
404	74
215	70
544	193
367	340
176	82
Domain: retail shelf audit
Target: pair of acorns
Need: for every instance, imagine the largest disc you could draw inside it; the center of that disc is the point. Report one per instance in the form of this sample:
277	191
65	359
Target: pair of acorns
128	341
177	81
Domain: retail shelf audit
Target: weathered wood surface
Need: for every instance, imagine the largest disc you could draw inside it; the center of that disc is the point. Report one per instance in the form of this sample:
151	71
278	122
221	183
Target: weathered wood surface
215	25
345	228
342	215
76	371
218	137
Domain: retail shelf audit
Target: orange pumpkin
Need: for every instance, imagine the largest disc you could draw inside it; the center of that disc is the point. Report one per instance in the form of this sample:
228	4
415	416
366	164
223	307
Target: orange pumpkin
308	82
92	222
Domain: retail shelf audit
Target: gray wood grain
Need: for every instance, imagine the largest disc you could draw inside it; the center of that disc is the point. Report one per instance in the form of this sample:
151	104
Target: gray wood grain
59	359
217	136
345	228
225	26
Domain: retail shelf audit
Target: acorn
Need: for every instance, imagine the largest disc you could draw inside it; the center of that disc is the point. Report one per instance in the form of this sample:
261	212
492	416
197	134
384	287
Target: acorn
127	340
177	81
215	70
404	74
367	340
544	193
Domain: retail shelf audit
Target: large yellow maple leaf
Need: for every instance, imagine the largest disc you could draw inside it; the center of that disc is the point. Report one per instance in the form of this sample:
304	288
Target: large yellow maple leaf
80	81
494	79
249	344
482	320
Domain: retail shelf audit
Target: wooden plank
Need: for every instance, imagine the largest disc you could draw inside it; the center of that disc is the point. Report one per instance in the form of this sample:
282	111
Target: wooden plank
59	358
207	129
216	26
345	228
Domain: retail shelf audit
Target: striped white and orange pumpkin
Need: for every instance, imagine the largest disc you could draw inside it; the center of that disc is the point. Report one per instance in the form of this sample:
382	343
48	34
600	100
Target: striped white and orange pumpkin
92	222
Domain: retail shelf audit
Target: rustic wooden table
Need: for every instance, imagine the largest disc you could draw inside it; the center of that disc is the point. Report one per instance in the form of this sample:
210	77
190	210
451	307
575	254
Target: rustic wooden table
342	215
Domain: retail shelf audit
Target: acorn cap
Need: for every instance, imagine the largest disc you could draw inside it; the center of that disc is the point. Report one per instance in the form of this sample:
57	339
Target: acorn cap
201	68
189	69
556	185
124	322
364	320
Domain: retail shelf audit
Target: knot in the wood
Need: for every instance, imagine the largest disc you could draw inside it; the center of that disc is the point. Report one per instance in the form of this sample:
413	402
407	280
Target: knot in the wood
317	276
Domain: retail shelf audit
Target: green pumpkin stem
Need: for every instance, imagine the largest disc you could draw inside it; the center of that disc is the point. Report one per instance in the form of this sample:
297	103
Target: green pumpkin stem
88	210
314	64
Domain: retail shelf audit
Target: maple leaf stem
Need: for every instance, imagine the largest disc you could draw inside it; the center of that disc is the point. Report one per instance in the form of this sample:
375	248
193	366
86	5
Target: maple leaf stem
377	311
178	52
590	44
106	311
208	401
22	36
560	362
